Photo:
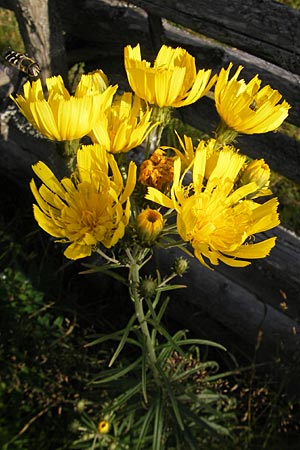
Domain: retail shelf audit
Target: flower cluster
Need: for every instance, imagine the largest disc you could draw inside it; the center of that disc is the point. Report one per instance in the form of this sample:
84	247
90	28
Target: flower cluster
215	215
210	187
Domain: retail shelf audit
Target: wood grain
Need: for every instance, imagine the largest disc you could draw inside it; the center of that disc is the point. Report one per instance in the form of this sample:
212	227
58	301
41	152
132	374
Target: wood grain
265	28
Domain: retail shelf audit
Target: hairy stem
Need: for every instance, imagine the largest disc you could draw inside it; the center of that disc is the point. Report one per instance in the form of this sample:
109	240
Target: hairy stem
134	276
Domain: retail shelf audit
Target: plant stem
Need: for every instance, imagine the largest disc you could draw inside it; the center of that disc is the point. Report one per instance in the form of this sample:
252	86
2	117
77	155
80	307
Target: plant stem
134	274
162	116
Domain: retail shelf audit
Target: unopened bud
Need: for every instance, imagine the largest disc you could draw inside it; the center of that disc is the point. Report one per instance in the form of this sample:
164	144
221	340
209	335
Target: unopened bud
75	426
150	223
148	287
181	265
258	172
80	406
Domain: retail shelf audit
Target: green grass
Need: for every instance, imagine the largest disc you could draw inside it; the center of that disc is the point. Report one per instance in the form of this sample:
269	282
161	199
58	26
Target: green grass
9	32
288	194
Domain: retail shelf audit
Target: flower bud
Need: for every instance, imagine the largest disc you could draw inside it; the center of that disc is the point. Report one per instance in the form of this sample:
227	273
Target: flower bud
75	426
148	287
181	265
80	406
150	223
258	172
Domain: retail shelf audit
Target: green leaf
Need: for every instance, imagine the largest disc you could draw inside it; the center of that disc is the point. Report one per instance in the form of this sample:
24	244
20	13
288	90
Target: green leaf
158	425
193	370
220	429
162	309
123	341
172	397
117	336
123	398
115	374
144	429
170	287
169	338
201	342
104	269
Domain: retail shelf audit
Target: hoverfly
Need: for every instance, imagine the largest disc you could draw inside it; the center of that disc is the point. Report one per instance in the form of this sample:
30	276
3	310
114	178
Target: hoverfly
13	80
22	62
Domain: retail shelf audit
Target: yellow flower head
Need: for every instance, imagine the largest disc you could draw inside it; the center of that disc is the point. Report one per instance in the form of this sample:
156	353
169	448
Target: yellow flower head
188	155
123	126
212	149
259	172
246	108
213	216
61	116
171	82
157	171
150	224
215	151
103	426
90	207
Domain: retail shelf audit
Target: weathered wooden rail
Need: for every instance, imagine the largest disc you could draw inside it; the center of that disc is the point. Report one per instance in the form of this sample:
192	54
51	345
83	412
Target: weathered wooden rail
263	36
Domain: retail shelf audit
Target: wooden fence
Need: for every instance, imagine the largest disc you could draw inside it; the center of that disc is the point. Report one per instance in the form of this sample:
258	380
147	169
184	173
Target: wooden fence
263	36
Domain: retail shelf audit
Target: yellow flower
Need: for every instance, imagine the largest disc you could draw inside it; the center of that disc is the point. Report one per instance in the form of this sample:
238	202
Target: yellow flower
259	172
172	81
61	116
188	155
214	217
90	207
246	108
123	126
150	224
228	153
157	171
212	149
103	426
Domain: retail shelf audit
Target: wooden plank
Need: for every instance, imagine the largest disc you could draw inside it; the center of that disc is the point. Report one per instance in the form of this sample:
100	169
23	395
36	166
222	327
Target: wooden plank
210	54
20	148
239	311
95	25
265	28
274	280
280	151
